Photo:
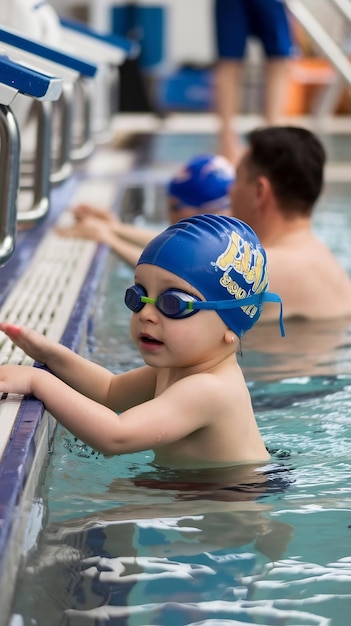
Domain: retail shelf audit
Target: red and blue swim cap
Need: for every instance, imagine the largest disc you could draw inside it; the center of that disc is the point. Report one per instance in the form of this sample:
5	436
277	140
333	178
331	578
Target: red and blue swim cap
204	183
223	259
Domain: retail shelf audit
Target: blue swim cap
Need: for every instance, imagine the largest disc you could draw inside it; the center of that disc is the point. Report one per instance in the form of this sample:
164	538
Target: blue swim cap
204	183
222	258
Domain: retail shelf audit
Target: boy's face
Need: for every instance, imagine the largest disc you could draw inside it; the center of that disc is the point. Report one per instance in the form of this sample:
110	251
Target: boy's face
194	341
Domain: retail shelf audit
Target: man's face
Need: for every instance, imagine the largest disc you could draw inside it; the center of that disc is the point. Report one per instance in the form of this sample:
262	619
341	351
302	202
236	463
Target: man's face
243	193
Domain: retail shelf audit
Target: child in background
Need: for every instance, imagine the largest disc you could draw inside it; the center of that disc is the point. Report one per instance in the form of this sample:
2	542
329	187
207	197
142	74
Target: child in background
200	186
199	286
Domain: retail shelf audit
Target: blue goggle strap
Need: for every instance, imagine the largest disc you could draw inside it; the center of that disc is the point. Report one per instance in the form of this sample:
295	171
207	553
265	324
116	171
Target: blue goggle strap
231	304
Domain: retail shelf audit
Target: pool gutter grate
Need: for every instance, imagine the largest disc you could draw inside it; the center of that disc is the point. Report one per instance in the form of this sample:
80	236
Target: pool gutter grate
42	299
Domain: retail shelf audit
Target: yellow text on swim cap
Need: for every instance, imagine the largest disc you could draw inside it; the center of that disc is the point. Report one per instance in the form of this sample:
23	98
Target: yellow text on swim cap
238	292
245	261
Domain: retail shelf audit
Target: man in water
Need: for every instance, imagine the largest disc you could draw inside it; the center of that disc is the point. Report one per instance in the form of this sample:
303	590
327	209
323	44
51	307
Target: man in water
278	181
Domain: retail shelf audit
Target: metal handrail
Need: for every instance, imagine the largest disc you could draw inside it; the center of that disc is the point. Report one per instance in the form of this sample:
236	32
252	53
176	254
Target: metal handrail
9	179
59	156
62	166
322	39
41	187
83	146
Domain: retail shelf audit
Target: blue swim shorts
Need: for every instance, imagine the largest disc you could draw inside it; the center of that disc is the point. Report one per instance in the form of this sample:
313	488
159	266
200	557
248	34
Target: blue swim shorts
266	20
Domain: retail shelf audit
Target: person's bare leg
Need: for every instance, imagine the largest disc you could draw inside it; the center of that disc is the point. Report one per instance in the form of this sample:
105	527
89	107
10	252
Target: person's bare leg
228	79
277	84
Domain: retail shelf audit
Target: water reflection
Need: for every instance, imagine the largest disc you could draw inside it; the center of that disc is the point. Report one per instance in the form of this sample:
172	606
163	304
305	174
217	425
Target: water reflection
309	349
172	538
123	568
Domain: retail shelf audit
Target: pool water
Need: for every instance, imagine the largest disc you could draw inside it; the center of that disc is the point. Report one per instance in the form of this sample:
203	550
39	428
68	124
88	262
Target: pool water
179	147
124	543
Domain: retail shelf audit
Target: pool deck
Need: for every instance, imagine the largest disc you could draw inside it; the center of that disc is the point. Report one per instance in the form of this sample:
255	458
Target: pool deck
204	123
49	285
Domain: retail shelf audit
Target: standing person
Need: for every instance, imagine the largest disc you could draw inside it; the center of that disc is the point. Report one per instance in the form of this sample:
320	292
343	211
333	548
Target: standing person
235	22
199	286
278	182
200	186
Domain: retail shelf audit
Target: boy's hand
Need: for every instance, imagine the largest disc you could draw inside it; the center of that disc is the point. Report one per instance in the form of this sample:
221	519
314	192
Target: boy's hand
37	346
17	379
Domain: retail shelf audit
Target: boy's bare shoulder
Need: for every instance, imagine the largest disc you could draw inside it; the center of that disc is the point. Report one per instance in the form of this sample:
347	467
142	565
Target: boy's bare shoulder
208	393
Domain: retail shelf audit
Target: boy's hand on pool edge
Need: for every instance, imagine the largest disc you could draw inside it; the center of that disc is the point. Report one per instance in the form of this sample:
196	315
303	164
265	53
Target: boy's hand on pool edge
17	379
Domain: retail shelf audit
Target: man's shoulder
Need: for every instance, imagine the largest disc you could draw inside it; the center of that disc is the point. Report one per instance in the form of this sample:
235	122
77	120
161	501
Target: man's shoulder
299	250
310	279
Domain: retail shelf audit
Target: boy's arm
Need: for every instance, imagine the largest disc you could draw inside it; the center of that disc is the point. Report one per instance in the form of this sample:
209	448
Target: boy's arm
89	379
166	419
79	373
93	423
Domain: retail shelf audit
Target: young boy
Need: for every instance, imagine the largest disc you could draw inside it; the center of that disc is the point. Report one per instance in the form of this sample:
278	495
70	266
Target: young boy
199	286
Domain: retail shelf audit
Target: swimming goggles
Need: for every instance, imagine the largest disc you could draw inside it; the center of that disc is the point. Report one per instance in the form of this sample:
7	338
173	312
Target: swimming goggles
177	304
